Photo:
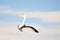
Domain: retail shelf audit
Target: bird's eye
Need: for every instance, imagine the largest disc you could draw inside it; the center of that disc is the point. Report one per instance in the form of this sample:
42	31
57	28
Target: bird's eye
23	14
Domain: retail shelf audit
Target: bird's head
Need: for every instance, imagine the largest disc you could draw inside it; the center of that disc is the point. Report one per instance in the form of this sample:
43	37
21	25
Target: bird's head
23	15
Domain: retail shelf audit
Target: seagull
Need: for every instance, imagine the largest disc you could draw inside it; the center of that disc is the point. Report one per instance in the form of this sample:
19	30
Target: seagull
24	26
20	27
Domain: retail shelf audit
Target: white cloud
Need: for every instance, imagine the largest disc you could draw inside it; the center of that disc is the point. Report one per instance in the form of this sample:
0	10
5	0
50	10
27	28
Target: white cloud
45	16
9	31
7	9
4	7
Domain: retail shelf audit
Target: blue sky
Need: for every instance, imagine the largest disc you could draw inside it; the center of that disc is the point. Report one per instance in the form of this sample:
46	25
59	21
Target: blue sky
29	6
33	5
45	14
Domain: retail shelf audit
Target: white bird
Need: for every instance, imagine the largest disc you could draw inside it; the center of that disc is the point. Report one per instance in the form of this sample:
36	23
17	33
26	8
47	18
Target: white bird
20	27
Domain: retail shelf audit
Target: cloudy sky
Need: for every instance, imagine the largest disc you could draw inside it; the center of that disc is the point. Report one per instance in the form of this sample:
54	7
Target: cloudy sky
44	15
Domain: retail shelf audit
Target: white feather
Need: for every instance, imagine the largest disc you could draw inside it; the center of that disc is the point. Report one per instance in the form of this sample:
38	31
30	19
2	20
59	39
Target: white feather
23	22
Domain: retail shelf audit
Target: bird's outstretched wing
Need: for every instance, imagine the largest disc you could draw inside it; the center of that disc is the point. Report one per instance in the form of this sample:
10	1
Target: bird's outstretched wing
33	29
28	27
